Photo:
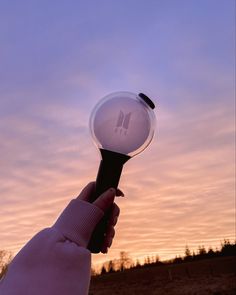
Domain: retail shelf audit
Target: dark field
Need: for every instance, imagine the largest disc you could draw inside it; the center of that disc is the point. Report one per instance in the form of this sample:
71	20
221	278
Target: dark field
210	276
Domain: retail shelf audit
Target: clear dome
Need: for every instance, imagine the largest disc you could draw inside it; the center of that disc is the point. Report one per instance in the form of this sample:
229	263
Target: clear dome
123	122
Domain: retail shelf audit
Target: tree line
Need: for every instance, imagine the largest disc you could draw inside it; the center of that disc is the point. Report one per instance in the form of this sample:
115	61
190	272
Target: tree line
5	259
125	262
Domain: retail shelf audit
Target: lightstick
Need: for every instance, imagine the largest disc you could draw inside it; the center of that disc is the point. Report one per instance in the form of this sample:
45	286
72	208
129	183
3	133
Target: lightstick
122	125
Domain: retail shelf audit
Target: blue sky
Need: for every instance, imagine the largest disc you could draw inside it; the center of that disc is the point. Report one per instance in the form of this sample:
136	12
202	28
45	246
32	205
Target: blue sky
58	58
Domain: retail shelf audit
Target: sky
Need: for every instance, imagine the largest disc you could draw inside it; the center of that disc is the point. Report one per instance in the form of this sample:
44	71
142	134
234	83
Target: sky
59	58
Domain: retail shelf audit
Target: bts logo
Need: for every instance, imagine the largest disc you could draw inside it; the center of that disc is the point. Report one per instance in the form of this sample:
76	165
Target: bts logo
123	121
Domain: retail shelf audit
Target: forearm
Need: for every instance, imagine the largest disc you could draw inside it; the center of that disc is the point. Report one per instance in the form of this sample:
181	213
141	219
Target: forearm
55	261
59	267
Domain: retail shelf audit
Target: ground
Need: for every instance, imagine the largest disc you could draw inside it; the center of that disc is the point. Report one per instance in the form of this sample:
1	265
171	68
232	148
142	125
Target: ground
216	276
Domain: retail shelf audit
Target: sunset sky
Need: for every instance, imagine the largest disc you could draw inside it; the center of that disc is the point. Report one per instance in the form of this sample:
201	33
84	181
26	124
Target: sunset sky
58	58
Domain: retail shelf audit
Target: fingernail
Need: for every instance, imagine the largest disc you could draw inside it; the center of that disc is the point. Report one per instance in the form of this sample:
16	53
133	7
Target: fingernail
119	193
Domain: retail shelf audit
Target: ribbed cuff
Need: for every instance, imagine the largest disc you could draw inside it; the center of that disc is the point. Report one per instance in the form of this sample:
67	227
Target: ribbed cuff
78	221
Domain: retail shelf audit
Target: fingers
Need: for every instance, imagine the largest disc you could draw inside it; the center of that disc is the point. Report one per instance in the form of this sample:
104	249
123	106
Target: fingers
108	239
105	201
87	192
115	212
110	233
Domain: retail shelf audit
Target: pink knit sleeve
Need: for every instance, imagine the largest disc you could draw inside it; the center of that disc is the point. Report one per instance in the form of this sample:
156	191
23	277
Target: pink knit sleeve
55	261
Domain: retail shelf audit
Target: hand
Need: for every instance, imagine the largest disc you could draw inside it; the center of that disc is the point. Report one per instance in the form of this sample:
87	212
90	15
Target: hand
104	202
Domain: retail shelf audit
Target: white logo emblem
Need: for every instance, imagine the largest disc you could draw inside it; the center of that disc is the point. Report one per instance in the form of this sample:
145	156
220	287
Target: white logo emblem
123	121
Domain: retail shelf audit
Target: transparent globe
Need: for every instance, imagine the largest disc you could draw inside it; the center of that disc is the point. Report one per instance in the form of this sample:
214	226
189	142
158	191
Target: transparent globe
123	122
122	125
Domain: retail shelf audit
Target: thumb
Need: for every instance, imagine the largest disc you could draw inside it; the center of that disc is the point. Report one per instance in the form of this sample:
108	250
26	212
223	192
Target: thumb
105	201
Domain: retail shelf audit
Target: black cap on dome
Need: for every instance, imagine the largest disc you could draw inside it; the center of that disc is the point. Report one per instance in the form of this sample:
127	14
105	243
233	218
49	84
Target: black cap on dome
147	100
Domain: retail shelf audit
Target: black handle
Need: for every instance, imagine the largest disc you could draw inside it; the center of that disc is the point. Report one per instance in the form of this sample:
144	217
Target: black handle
108	176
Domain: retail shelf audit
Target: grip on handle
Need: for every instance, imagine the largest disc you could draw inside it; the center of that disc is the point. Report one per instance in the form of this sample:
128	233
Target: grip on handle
108	176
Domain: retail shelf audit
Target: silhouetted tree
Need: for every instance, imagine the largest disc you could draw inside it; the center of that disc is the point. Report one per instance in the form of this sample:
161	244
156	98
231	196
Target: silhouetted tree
137	264
211	253
201	252
148	260
125	261
111	267
157	259
178	259
103	271
5	259
217	251
187	253
228	249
